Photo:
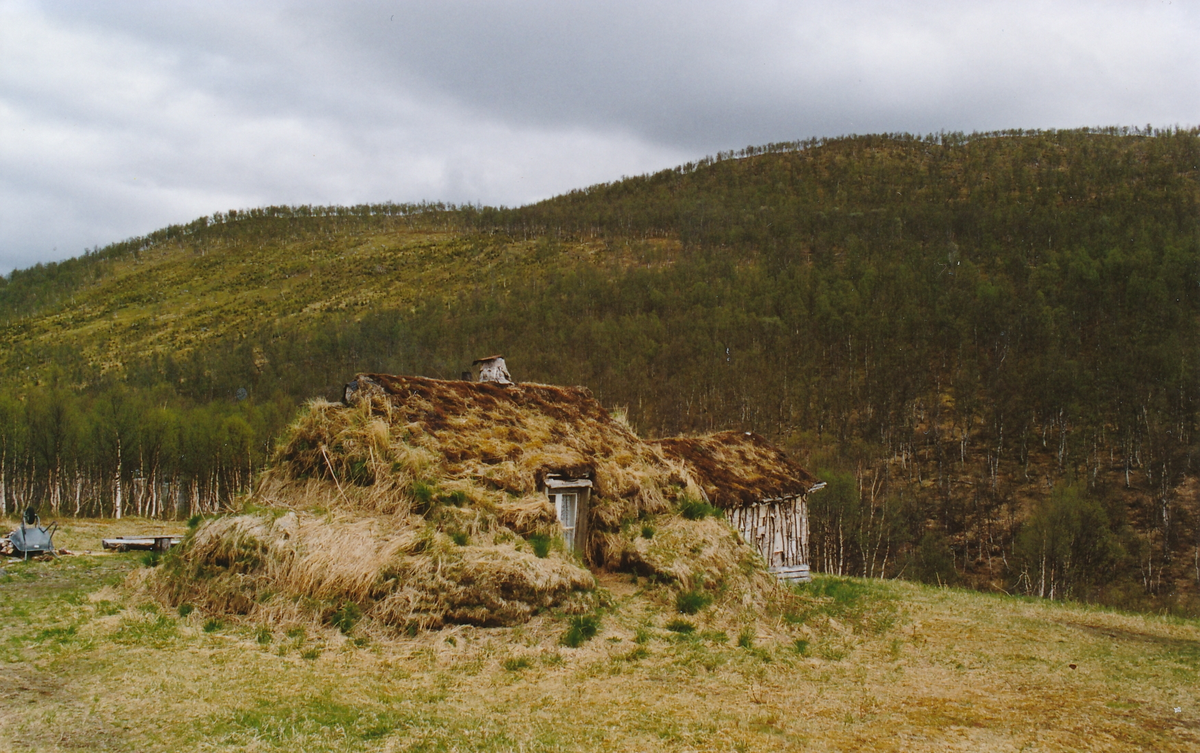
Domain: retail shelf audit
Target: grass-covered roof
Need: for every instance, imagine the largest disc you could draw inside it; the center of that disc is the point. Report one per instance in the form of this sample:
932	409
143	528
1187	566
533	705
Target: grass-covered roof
736	468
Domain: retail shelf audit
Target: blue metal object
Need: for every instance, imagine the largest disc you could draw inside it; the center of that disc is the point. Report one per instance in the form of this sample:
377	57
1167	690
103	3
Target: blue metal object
32	537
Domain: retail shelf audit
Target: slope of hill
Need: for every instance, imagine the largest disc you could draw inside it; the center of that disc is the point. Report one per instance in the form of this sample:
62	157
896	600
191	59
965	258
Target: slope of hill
988	344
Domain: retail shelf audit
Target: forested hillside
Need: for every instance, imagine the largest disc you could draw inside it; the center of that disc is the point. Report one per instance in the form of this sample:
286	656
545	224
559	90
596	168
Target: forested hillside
987	344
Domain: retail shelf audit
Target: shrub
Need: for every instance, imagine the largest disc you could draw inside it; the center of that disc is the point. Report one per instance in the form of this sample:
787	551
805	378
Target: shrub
933	561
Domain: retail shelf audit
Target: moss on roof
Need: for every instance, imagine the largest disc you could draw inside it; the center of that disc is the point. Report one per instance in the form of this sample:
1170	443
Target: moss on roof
736	468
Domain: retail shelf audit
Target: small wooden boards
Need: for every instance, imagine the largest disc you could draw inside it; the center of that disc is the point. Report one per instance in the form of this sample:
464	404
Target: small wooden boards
792	574
148	543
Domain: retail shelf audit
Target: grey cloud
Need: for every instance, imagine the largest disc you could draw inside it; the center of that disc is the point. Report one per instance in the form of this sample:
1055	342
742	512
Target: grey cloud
116	119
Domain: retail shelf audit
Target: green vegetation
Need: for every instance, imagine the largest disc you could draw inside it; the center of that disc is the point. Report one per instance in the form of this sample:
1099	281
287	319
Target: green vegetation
691	602
346	616
697	509
583	628
540	543
746	637
517	663
72	640
986	344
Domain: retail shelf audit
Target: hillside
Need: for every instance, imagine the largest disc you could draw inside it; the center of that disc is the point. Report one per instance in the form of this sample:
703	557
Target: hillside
860	665
987	344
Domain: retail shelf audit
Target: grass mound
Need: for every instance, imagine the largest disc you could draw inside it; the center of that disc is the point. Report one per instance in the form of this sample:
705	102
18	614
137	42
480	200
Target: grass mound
398	574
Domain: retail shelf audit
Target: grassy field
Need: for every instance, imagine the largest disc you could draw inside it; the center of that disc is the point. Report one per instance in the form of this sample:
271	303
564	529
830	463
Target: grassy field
866	665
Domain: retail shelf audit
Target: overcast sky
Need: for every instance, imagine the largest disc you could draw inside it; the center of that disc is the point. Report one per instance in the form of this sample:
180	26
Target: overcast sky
118	118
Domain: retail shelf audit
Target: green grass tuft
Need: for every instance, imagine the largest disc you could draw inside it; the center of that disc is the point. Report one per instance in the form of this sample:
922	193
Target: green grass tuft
517	663
541	545
640	652
691	602
697	509
346	616
583	628
746	637
424	496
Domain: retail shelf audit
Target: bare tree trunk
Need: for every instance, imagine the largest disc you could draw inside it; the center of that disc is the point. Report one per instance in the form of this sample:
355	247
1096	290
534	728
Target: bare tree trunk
117	501
3	490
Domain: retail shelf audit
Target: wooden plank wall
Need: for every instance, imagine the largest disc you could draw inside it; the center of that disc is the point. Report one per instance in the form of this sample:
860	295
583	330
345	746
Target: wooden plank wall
779	530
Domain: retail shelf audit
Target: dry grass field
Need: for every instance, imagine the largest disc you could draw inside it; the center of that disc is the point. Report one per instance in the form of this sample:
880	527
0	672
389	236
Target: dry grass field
88	664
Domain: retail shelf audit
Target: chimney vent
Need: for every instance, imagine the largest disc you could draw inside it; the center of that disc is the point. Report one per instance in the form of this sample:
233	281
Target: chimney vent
492	369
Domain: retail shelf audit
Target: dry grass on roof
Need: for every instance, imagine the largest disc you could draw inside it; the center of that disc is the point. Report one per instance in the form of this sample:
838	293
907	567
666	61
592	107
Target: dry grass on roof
511	438
737	468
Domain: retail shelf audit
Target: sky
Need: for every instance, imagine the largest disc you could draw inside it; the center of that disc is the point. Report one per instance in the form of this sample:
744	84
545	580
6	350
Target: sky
119	118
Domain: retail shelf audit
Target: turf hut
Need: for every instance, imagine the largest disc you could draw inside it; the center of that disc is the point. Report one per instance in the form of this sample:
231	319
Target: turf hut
763	493
416	503
419	502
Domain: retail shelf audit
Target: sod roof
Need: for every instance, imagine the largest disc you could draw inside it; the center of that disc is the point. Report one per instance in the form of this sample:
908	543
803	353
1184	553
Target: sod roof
514	436
736	468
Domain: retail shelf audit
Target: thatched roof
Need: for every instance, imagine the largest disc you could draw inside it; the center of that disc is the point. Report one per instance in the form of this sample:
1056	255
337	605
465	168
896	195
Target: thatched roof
737	468
513	436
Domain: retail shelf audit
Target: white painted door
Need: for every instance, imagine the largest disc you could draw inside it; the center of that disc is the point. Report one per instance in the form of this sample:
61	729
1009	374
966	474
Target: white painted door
567	507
